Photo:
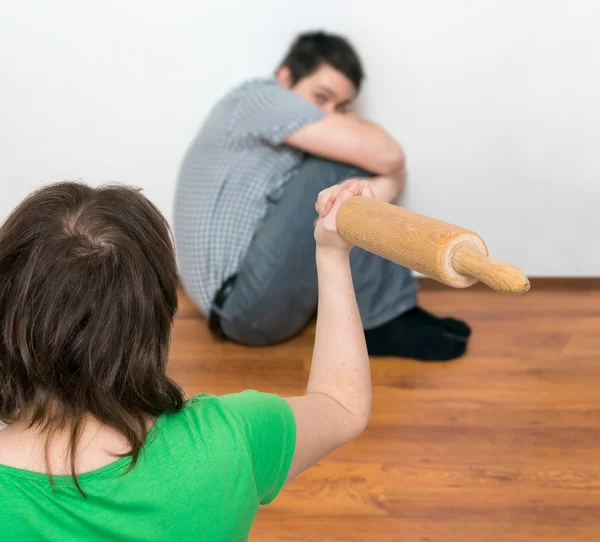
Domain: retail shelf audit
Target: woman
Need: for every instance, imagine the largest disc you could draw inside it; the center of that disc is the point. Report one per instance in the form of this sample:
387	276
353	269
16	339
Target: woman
100	443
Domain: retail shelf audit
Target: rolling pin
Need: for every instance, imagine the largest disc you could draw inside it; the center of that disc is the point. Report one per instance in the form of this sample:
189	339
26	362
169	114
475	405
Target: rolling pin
442	251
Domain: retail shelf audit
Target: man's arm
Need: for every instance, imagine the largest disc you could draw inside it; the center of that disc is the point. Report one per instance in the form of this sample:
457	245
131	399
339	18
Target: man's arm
389	187
350	139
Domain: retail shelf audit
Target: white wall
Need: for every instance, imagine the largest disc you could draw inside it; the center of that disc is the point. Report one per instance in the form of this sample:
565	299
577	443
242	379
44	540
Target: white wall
496	102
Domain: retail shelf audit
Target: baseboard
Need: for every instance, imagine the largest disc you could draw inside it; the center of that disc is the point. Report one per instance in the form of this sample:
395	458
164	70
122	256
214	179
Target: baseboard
537	283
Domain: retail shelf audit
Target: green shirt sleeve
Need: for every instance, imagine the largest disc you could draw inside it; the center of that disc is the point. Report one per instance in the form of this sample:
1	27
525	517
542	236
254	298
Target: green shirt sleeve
268	427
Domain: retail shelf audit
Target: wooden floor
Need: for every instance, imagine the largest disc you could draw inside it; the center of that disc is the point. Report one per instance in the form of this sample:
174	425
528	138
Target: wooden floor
503	444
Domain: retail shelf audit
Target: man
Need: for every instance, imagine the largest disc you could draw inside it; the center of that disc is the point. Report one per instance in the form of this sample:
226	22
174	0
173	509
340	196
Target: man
244	211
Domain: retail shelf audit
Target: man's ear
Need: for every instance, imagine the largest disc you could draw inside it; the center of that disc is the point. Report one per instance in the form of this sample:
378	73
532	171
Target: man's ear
284	76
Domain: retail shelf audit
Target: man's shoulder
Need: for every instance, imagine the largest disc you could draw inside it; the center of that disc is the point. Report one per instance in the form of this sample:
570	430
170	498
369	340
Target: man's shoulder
256	85
245	94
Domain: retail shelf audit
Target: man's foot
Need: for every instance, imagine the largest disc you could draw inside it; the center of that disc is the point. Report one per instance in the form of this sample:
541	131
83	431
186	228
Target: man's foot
408	337
451	325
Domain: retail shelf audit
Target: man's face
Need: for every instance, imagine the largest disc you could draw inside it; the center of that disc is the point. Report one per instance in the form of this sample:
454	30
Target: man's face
327	87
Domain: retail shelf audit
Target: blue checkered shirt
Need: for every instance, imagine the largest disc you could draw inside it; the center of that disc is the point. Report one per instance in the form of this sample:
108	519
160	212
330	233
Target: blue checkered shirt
236	164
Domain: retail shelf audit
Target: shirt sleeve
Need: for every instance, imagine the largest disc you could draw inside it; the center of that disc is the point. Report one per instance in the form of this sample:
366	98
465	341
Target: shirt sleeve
269	111
268	428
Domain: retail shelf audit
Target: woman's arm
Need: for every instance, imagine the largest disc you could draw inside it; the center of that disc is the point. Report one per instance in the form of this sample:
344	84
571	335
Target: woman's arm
337	403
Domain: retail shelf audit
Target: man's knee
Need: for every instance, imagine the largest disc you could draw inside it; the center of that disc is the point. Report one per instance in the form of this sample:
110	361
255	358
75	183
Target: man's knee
328	172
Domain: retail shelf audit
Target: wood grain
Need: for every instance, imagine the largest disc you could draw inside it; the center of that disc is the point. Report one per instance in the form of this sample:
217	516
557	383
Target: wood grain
501	445
440	250
498	275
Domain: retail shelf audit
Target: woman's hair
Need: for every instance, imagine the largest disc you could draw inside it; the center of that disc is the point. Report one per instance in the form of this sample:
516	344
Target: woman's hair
88	292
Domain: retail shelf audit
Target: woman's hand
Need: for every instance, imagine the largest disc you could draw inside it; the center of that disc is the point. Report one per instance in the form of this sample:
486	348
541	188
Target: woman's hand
328	203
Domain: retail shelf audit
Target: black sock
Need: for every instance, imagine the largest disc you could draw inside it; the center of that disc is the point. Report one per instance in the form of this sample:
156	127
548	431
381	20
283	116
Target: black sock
410	338
451	325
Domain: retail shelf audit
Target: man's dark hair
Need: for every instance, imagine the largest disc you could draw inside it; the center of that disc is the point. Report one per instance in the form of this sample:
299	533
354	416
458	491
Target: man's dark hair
312	49
88	292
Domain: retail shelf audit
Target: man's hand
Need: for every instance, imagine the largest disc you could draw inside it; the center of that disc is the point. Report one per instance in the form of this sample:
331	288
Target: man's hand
385	187
389	187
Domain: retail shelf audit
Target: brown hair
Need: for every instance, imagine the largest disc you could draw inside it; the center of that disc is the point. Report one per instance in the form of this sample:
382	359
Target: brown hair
311	49
88	292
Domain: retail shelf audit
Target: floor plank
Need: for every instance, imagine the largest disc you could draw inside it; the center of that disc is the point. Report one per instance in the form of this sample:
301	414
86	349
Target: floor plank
503	444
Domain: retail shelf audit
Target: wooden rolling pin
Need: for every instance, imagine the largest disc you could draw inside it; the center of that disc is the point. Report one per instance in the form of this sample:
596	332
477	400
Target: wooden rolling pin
447	253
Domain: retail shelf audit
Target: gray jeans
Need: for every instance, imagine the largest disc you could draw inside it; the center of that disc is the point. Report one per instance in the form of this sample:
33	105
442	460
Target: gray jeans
275	294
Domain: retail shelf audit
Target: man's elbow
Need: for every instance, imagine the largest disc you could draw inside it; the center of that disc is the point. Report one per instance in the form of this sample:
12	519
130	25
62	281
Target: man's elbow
391	161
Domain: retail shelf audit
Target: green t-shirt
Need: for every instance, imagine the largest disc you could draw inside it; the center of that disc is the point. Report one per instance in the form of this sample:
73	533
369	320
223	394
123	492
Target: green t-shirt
202	475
